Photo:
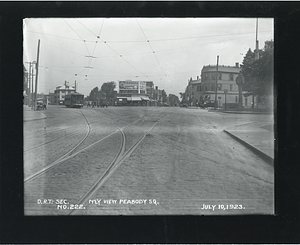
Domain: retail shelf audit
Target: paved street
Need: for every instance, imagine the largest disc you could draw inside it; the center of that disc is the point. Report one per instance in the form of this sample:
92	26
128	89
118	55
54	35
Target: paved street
145	161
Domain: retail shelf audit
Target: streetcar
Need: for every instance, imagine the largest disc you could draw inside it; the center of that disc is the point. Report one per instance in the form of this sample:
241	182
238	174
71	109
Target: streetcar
74	100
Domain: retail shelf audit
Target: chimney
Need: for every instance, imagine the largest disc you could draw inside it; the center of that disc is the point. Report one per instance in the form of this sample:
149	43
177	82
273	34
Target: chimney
237	64
197	77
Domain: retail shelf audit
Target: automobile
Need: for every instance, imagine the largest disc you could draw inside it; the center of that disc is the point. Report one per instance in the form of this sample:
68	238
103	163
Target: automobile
39	105
184	103
207	104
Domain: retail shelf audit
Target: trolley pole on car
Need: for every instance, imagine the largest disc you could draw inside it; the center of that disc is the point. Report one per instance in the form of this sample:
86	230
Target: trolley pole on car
75	84
36	75
216	82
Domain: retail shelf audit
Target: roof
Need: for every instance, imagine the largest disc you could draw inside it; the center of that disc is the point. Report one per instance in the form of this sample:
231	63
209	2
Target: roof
63	87
221	68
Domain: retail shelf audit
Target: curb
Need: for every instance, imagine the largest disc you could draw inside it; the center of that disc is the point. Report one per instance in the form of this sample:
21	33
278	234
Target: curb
245	112
34	119
258	152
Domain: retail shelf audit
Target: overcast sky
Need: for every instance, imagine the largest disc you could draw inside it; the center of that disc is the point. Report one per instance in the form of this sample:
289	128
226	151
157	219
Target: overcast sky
167	51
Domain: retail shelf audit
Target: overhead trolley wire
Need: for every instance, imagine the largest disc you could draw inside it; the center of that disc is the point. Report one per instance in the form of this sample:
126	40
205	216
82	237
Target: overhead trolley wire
78	36
150	47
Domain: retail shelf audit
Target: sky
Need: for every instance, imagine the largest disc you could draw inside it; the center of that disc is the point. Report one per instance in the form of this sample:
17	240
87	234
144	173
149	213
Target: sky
167	51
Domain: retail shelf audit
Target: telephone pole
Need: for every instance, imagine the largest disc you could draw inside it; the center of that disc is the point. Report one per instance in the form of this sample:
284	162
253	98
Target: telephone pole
32	84
36	75
29	81
256	42
216	82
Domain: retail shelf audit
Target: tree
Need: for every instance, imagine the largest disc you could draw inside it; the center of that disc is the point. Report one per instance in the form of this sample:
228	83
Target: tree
93	94
173	100
108	88
258	74
164	96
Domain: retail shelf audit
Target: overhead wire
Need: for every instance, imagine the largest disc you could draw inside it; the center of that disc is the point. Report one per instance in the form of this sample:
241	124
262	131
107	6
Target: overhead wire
151	47
120	55
78	36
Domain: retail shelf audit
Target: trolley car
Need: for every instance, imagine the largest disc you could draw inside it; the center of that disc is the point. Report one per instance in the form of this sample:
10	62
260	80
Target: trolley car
74	100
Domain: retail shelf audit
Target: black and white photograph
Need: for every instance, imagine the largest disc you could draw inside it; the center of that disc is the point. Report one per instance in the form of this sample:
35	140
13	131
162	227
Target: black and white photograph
148	116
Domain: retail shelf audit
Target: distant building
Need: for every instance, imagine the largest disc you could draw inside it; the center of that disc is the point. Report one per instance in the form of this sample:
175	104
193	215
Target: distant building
60	92
134	93
226	83
132	87
150	89
193	91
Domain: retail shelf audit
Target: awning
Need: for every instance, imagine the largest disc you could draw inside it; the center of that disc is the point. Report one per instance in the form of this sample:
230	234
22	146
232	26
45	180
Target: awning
144	98
123	97
136	99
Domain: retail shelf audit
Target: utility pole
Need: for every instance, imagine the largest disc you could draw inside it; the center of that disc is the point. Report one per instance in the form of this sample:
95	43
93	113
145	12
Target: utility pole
65	90
256	42
29	81
32	84
256	57
36	76
216	82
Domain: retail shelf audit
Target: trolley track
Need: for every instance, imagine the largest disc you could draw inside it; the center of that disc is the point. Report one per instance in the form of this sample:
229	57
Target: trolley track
115	163
118	160
71	153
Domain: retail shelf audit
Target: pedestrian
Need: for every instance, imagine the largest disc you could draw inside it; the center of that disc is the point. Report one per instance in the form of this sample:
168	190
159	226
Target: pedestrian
45	106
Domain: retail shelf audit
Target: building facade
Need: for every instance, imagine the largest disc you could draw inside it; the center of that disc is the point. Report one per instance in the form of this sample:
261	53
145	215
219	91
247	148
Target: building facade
132	87
193	92
225	81
132	93
60	92
150	89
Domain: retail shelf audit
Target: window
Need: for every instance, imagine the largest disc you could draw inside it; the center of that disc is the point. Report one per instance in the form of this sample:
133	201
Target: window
236	99
206	76
206	87
230	77
219	86
213	86
198	88
213	76
220	76
231	85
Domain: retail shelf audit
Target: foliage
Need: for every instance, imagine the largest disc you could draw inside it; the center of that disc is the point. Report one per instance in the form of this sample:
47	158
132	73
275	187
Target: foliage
93	94
258	74
173	100
106	92
164	96
108	88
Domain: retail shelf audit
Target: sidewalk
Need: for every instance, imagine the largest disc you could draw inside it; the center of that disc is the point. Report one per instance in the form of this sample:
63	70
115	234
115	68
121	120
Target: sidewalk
31	115
258	137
